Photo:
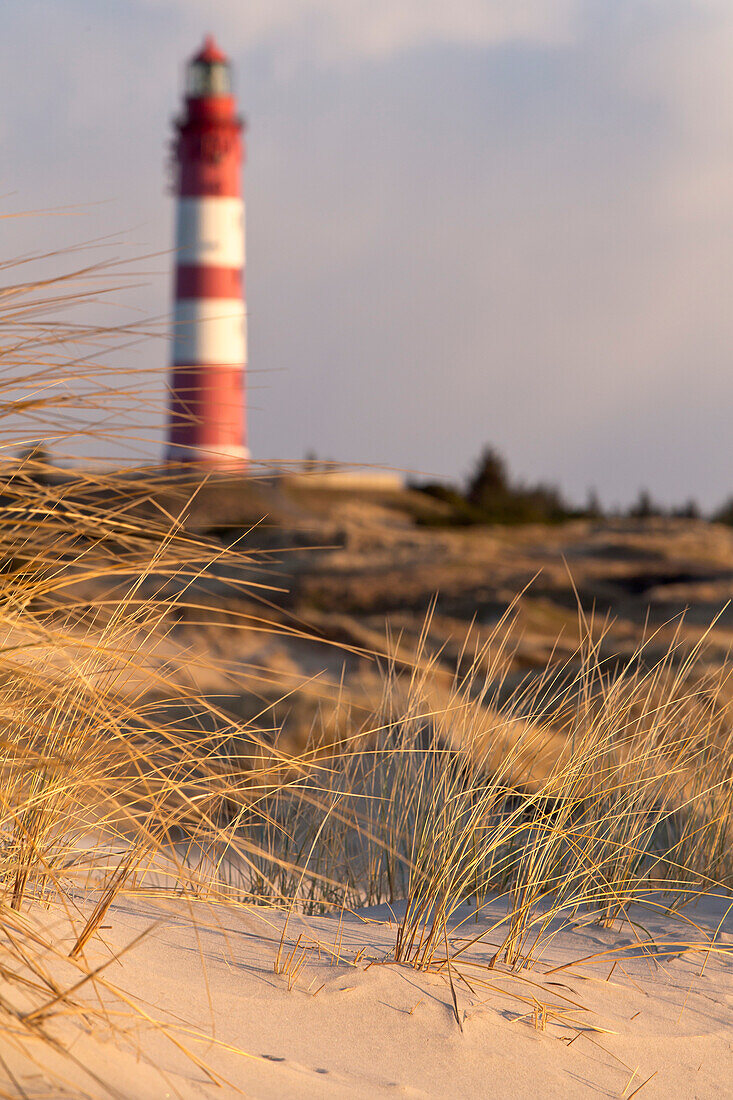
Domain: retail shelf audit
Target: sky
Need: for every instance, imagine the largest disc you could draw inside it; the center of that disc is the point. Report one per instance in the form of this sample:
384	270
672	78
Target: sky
504	222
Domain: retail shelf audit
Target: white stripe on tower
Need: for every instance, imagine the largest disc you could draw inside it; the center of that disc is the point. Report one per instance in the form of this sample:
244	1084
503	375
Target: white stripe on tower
210	231
210	330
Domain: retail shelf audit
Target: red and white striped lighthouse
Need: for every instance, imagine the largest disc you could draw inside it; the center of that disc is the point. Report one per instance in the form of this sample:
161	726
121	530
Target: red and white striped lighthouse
207	404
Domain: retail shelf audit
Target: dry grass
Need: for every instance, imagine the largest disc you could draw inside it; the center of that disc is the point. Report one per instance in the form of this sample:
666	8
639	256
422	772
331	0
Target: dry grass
108	787
113	776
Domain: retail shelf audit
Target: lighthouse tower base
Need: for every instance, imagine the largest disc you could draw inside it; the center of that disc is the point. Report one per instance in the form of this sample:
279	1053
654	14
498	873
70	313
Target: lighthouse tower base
225	457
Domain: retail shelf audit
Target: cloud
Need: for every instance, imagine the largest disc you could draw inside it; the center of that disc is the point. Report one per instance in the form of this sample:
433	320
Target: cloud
344	30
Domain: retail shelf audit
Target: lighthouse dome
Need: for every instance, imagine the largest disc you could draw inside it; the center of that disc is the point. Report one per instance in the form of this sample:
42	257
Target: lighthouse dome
208	72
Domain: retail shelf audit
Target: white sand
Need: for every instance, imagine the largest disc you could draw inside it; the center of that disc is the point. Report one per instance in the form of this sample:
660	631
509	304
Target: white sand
355	1027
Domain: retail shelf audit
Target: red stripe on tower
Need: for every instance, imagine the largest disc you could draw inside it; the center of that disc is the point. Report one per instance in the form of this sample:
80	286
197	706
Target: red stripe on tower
207	407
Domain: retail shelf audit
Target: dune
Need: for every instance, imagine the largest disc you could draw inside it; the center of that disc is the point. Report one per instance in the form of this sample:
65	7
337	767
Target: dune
214	1000
228	703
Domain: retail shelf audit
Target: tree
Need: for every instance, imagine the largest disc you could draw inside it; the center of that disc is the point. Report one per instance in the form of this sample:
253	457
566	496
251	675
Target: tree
489	481
593	507
644	508
688	510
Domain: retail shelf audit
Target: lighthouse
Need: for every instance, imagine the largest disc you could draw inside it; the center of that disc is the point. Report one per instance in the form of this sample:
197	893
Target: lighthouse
207	421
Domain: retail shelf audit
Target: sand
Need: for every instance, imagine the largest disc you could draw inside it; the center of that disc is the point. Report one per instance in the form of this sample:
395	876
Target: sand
354	1025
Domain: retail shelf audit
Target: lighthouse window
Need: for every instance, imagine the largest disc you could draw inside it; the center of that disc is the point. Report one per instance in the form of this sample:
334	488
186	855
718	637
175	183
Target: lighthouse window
208	78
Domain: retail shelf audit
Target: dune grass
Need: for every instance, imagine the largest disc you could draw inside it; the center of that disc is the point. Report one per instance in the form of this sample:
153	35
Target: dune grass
429	805
119	776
